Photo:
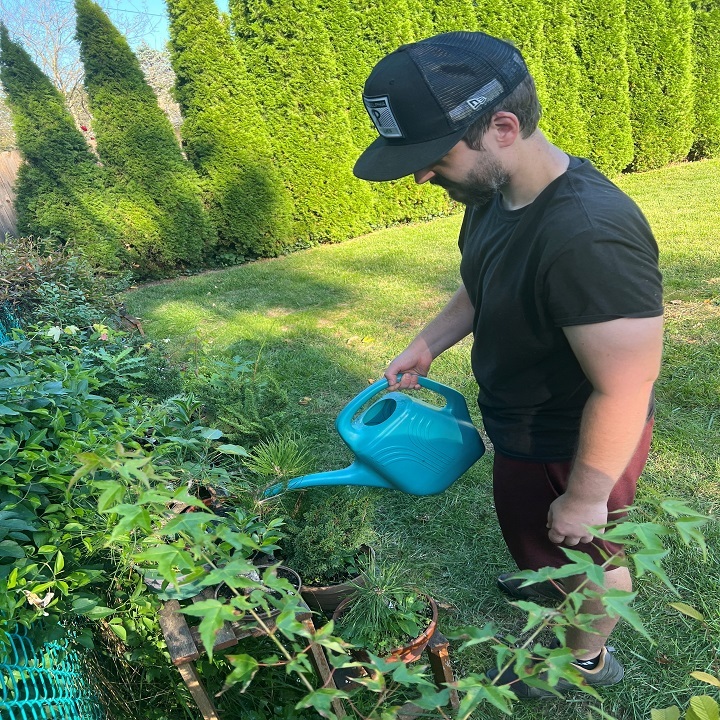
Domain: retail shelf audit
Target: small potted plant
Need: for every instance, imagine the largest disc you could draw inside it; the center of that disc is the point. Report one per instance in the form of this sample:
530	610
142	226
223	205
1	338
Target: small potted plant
387	615
328	540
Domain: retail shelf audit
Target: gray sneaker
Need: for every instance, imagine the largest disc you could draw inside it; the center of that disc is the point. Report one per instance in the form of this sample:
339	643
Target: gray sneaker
608	672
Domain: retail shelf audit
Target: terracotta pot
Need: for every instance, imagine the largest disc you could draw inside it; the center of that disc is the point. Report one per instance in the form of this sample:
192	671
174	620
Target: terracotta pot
413	649
326	598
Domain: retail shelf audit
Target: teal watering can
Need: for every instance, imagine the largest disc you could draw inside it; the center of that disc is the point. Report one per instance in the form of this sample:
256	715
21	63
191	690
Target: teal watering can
402	443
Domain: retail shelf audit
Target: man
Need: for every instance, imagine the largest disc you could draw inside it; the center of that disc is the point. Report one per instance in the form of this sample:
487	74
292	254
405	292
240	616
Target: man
561	291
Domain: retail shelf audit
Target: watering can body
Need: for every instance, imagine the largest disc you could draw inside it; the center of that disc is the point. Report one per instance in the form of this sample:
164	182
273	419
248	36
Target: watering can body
402	443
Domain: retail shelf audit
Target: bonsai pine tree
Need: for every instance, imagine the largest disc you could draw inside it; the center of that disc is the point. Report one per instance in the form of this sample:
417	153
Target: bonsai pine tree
61	190
137	145
224	134
604	91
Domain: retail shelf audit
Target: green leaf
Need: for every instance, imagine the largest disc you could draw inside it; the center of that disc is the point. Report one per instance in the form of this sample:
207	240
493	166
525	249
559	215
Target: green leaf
668	713
244	669
702	707
649	561
59	563
113	494
5	410
233	450
210	433
475	635
688	610
478	690
132	517
617	603
119	630
689	532
706	678
321	700
9	548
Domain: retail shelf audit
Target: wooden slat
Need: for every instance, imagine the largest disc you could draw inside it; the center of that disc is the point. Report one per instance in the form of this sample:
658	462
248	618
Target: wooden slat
10	161
197	690
181	645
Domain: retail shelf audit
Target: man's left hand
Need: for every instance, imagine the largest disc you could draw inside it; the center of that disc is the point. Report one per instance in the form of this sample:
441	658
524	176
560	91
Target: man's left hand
569	519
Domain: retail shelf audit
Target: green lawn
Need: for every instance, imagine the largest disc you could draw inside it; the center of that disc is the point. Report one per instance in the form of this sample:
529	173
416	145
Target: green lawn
328	319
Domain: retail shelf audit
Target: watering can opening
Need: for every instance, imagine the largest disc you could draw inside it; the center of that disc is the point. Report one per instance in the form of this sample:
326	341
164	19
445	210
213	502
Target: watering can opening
379	412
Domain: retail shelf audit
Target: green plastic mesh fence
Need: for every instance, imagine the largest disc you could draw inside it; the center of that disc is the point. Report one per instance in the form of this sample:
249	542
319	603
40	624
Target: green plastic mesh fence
44	683
8	321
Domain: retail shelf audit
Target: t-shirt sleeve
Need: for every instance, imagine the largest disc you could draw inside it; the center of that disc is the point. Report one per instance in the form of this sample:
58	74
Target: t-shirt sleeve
600	279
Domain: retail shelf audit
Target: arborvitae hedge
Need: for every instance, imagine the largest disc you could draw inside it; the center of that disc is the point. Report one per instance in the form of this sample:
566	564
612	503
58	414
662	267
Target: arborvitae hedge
450	15
604	92
293	63
60	188
661	87
564	117
224	135
706	43
136	143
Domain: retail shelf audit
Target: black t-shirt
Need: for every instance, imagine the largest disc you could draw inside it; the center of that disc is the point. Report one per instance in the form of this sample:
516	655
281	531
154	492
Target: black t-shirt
582	252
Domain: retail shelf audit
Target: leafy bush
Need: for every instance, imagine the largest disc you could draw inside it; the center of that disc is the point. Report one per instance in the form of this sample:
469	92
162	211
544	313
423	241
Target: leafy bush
45	283
326	535
238	398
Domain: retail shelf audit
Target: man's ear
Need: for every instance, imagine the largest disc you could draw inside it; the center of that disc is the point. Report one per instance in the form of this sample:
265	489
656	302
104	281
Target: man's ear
506	128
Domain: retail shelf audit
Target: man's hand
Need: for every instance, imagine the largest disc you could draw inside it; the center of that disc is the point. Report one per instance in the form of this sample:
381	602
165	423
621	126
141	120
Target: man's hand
413	361
569	519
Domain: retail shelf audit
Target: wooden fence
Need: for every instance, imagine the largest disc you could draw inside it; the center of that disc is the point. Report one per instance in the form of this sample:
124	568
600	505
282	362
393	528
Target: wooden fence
9	164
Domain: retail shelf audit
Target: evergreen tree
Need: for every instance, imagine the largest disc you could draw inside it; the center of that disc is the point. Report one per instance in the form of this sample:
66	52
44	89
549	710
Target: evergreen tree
564	118
382	27
661	90
521	22
293	65
604	91
450	15
137	145
224	134
706	67
60	189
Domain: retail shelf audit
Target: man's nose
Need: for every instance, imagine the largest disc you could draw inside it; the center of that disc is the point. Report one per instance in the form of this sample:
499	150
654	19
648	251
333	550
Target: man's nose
422	176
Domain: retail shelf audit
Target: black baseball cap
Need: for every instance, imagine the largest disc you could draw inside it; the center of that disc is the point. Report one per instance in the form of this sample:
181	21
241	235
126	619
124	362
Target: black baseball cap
422	98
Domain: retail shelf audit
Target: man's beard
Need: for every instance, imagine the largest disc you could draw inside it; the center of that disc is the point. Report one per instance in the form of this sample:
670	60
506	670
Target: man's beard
480	185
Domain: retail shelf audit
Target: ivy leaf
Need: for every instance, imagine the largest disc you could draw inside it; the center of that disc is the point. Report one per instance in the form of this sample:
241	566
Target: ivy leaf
702	707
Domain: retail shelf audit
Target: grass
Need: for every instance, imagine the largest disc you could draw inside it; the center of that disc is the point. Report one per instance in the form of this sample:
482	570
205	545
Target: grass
328	319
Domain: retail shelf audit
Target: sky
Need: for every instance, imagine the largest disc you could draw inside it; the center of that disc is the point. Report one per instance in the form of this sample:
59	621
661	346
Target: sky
157	26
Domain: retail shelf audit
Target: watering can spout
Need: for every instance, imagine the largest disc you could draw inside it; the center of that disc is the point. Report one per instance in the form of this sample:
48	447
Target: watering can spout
355	474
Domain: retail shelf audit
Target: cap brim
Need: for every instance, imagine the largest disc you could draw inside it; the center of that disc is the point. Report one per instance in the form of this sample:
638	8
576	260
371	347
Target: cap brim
386	159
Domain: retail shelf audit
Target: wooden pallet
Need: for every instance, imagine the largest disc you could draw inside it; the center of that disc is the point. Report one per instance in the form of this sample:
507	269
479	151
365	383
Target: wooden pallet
185	646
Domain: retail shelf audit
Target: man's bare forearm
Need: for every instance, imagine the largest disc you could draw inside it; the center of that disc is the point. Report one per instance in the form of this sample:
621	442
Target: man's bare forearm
452	324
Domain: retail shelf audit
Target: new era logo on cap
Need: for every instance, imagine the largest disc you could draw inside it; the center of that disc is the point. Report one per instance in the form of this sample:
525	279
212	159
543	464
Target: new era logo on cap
382	115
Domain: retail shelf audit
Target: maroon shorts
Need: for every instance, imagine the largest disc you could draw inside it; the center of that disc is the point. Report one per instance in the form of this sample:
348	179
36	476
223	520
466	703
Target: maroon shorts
523	493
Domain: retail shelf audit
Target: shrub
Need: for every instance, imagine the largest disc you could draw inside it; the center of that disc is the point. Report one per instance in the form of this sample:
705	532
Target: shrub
160	197
706	67
661	84
295	74
61	191
604	91
225	136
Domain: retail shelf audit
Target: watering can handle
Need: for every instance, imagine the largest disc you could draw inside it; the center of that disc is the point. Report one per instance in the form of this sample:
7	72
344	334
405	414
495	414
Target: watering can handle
455	401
